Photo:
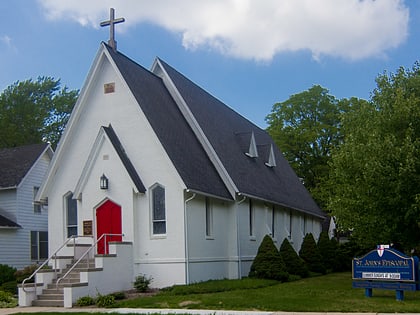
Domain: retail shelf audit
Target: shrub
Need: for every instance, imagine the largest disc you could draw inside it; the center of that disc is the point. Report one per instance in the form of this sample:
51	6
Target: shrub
7	300
268	263
25	273
294	264
327	249
85	301
10	286
105	300
118	295
7	273
142	282
310	254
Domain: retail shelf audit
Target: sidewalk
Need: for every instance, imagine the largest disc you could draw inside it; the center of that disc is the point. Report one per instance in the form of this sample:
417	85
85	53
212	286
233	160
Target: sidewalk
7	311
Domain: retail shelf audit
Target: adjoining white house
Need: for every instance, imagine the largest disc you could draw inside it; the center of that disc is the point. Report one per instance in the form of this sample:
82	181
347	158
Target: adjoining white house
187	187
23	223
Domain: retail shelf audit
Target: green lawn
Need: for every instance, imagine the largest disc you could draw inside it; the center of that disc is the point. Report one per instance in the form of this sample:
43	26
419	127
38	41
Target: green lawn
330	293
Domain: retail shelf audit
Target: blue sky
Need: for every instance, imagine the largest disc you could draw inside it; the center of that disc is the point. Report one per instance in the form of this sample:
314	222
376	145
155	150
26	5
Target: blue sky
249	54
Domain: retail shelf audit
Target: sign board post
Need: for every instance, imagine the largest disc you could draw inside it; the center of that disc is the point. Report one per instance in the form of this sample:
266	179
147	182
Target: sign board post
386	268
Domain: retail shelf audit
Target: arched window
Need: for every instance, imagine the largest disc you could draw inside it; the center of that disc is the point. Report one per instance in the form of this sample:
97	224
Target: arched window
71	215
158	210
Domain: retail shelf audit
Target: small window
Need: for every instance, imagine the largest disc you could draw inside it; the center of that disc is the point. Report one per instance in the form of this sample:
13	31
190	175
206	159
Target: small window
158	208
39	245
290	224
71	210
37	206
251	218
273	216
209	218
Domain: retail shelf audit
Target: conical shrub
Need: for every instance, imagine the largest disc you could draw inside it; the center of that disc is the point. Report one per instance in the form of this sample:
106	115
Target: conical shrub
268	263
294	264
310	254
327	249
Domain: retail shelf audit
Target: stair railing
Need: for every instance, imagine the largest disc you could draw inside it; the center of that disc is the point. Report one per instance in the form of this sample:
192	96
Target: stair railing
54	255
103	236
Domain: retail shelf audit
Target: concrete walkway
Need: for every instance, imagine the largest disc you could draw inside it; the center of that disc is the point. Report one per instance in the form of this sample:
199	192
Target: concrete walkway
7	311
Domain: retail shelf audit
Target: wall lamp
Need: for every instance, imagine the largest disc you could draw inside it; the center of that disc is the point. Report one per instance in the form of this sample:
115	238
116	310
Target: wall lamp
103	182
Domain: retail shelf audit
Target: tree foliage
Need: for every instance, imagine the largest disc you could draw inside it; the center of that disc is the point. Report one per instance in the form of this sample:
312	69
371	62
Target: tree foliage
294	264
307	127
34	111
375	174
310	254
268	263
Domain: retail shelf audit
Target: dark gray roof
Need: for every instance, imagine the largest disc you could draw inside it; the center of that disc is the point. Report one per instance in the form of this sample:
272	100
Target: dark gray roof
124	158
5	222
170	126
228	132
16	162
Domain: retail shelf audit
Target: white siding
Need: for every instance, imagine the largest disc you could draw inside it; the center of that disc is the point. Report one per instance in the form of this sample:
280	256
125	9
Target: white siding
15	243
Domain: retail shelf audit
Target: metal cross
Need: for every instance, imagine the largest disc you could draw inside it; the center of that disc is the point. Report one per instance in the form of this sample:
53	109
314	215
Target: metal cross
111	22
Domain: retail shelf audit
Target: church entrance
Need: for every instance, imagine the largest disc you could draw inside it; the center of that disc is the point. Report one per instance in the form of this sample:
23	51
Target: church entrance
108	221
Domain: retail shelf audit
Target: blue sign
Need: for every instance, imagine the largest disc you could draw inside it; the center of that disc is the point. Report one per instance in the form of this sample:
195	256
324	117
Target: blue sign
385	264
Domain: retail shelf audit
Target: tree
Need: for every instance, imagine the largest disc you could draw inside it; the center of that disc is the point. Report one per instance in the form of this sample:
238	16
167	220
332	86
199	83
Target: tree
306	127
294	264
34	112
310	254
268	263
375	174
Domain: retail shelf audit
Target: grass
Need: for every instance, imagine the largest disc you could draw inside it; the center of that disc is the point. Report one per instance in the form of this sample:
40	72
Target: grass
329	293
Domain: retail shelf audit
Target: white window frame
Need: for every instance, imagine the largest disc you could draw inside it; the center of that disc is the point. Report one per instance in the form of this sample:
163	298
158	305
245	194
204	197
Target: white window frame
209	218
37	245
37	206
69	197
154	221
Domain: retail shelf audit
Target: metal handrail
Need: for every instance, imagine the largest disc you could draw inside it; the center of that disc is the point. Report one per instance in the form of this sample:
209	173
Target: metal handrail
84	254
54	255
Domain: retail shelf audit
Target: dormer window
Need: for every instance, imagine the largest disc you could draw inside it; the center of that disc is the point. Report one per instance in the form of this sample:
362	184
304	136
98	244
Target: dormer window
252	151
271	158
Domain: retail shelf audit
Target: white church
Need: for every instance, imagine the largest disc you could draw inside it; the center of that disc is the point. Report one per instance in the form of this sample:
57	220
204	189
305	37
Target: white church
154	176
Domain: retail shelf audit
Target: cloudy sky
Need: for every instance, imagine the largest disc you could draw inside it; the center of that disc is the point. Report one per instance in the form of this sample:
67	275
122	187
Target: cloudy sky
250	54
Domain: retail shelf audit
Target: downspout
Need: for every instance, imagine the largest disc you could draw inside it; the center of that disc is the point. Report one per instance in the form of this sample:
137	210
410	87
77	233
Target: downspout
187	259
238	243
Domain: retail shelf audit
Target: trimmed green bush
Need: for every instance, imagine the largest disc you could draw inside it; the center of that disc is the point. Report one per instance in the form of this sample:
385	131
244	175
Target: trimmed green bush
327	249
294	264
142	282
10	286
7	273
310	254
268	263
25	273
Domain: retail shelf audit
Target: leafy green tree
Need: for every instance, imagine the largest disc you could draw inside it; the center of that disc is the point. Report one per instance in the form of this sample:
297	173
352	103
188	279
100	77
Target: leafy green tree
307	127
375	174
268	263
310	254
34	111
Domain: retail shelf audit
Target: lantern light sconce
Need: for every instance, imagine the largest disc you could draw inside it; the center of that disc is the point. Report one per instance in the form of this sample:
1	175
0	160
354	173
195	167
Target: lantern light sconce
103	183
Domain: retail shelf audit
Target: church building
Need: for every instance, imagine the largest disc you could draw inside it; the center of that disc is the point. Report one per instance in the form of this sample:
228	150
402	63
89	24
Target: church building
157	175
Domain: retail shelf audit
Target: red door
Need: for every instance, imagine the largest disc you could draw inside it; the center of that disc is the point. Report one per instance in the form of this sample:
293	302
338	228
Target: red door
108	221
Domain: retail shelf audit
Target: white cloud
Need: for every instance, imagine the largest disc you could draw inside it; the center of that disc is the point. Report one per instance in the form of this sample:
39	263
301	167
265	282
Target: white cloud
250	29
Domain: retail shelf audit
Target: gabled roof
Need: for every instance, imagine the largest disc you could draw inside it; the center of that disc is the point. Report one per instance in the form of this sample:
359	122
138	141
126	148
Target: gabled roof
108	133
116	143
16	162
207	141
170	126
9	224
